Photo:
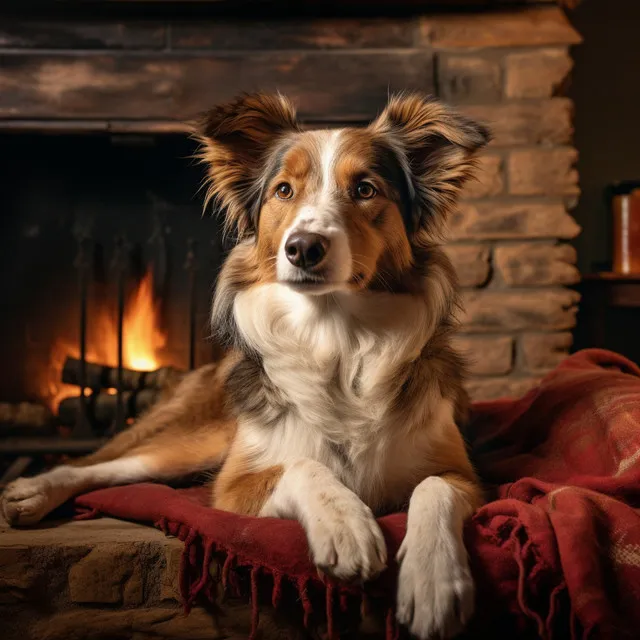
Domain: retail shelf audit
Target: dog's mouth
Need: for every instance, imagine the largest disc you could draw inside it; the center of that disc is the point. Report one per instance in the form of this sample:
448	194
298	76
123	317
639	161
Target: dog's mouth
314	283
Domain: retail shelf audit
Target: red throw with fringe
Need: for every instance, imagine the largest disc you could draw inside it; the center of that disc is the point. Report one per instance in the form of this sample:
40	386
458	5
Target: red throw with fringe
555	552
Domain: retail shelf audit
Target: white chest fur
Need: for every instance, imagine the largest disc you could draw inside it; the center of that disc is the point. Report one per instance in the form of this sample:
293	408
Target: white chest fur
338	363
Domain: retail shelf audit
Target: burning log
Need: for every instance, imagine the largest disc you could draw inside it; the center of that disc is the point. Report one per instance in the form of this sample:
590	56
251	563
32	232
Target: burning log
99	376
102	407
24	418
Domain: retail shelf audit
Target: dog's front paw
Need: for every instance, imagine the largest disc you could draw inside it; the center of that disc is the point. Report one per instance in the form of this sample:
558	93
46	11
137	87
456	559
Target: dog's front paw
435	587
345	540
26	501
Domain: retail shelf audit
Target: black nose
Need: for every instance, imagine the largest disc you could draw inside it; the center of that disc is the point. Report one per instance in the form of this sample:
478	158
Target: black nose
306	250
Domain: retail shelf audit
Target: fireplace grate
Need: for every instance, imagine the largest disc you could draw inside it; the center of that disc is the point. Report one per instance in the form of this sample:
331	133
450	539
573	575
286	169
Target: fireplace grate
109	397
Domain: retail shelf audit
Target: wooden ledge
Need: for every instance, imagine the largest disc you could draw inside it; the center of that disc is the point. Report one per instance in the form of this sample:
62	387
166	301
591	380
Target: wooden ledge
94	126
533	26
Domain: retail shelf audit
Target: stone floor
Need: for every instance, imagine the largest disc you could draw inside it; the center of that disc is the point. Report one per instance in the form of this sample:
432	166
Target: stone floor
107	579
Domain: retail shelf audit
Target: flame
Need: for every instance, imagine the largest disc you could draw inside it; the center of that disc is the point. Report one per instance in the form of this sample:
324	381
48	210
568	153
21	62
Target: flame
142	341
142	338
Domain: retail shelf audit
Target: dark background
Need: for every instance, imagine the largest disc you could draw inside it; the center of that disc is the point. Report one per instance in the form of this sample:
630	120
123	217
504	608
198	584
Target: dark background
606	89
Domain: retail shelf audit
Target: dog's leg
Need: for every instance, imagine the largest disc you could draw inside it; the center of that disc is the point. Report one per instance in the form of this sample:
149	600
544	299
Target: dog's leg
27	500
166	457
435	587
344	537
184	433
197	399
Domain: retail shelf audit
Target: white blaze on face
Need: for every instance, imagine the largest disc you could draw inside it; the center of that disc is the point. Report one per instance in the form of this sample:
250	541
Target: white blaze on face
320	214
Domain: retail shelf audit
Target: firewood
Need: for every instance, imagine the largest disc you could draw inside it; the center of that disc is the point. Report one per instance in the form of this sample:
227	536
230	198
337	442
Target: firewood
102	407
24	418
100	376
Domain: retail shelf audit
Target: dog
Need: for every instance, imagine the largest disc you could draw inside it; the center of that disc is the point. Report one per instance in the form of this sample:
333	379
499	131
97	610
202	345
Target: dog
340	396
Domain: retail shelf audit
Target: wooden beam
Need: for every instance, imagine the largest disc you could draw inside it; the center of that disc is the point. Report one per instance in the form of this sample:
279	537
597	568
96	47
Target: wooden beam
212	34
511	27
30	33
326	85
295	33
149	127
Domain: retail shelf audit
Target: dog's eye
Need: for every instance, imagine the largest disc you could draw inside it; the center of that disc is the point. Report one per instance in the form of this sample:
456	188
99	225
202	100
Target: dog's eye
284	191
365	190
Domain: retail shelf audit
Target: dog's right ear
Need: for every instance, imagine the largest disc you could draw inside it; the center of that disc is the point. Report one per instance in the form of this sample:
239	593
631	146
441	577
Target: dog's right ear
236	140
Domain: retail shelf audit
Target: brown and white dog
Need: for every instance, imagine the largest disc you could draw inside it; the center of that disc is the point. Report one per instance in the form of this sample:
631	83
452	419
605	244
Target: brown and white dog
341	394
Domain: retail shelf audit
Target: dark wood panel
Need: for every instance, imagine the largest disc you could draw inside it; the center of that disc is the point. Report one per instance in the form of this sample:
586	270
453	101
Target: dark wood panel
212	34
53	34
151	127
66	126
326	85
295	34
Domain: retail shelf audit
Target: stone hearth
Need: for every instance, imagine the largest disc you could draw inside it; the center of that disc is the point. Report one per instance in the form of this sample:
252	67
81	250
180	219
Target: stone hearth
109	579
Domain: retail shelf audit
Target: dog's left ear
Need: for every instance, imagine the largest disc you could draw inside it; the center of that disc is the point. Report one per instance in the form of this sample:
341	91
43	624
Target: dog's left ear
436	147
236	141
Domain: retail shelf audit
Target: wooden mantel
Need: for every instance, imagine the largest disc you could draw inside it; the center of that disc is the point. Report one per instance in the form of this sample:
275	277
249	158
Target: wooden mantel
153	74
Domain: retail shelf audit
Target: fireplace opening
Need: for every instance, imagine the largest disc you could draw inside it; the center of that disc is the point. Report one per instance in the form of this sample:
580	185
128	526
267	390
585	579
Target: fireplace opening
107	275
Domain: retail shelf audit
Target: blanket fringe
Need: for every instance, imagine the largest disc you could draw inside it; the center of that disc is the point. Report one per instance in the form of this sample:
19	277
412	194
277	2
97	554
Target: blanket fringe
521	551
545	627
329	603
204	572
226	567
84	513
392	630
276	591
198	579
365	605
255	605
186	562
307	606
553	602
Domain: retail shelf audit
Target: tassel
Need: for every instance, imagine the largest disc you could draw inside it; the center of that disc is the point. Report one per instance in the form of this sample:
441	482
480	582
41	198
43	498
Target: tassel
193	555
86	514
204	575
185	577
521	551
276	592
255	608
553	599
329	604
390	626
306	602
226	567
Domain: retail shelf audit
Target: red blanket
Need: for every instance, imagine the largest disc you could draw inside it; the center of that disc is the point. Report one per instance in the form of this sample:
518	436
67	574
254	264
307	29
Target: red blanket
555	553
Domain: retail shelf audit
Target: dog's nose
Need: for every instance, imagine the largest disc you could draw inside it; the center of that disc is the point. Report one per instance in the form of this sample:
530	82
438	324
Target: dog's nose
306	250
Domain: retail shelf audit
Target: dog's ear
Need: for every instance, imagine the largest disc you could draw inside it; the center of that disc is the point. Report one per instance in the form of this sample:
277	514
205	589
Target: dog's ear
436	148
236	140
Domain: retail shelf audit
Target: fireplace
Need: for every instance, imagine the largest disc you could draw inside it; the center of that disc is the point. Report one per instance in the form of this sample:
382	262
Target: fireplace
109	269
105	251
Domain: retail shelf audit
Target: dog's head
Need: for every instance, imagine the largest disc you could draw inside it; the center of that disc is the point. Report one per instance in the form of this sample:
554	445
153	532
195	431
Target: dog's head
339	209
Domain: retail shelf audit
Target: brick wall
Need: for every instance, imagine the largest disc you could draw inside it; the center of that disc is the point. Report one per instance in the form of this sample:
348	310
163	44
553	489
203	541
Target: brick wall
509	69
509	238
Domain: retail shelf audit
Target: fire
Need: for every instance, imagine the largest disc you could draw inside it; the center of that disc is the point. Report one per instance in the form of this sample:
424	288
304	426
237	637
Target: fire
142	335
